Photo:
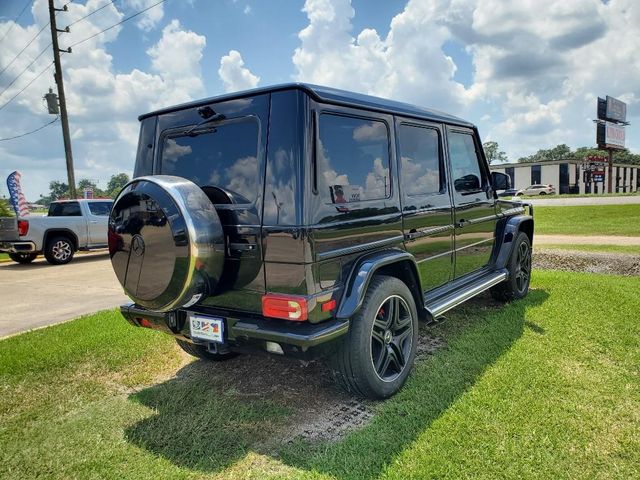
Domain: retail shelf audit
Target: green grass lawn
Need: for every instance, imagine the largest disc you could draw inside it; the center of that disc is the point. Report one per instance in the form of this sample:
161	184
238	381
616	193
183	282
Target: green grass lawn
588	220
547	387
4	257
582	195
628	249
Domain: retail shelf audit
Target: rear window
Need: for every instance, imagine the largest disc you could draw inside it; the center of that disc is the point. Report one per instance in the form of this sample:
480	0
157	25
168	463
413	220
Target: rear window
352	159
225	157
100	209
65	209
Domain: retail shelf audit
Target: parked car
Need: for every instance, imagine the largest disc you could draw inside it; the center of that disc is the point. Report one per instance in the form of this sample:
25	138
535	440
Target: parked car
537	190
70	225
308	221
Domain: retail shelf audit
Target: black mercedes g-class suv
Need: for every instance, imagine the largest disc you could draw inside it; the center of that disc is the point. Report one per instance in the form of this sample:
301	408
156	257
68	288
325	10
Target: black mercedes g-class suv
304	220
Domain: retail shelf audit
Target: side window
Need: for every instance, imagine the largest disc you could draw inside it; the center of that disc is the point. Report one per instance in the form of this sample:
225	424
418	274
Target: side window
421	160
101	209
465	167
352	159
65	209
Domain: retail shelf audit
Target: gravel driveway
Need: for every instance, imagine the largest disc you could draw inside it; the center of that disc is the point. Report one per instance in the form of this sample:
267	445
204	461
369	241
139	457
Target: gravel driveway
40	294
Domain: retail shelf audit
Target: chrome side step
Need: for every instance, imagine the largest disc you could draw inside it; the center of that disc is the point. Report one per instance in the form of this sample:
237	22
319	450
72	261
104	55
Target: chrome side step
446	303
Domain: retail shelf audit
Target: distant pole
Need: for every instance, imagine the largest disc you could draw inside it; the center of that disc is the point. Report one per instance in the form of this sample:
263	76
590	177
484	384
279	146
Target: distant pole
63	103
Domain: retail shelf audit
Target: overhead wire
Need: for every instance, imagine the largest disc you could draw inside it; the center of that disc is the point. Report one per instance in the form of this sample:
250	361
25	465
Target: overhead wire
26	68
119	23
32	131
27	85
15	20
91	13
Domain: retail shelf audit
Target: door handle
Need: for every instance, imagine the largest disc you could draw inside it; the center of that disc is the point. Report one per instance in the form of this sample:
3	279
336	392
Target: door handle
462	223
93	221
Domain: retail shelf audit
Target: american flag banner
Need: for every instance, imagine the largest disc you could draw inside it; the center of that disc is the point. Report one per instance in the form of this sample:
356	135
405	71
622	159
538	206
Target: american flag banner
18	201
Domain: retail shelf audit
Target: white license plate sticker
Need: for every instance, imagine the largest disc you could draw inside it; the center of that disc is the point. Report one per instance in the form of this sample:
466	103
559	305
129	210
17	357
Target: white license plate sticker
206	328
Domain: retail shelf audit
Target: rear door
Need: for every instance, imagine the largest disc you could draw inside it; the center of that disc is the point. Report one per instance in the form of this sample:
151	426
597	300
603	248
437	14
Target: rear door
426	203
225	157
474	202
98	218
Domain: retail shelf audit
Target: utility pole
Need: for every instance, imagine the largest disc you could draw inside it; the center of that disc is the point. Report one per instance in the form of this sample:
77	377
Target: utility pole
64	119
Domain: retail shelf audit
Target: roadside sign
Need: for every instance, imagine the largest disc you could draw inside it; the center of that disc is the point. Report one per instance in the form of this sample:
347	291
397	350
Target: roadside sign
610	135
612	109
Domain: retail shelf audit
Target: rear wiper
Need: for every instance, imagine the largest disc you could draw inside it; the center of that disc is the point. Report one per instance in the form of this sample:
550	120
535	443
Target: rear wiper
208	116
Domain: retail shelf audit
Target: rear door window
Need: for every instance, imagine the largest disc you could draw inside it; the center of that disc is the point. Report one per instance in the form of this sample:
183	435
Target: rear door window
421	161
100	209
65	209
465	167
222	157
352	159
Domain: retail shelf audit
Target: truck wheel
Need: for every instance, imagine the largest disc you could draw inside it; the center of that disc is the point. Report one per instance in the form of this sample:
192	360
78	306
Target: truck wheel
199	351
374	359
519	266
59	250
23	258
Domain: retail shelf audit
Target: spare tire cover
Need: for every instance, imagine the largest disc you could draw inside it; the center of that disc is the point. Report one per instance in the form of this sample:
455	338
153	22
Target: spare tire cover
166	242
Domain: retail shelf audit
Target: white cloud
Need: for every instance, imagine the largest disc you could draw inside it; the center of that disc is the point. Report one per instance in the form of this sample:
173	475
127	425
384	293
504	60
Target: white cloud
234	75
103	104
149	19
247	10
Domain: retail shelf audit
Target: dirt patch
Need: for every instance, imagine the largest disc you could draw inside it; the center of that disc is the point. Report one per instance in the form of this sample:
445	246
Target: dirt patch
590	262
320	409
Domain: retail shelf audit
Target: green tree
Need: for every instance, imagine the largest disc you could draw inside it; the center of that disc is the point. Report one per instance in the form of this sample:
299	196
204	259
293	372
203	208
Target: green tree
6	210
58	190
493	153
116	183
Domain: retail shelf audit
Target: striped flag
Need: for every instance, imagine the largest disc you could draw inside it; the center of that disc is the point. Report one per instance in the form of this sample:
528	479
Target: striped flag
18	201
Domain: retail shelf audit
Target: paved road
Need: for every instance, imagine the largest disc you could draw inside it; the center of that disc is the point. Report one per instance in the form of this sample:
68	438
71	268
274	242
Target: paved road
568	200
41	294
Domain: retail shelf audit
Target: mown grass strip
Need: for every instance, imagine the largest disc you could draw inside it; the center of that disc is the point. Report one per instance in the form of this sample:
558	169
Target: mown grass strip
547	387
588	220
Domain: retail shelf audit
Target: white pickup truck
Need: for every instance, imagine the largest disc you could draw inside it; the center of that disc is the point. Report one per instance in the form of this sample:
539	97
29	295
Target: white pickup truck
70	225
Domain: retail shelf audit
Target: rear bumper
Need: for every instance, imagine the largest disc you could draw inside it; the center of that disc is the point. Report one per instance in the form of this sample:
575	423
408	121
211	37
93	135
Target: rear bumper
245	331
17	247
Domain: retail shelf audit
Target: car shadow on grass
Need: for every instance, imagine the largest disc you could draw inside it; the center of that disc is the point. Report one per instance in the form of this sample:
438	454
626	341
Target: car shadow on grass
212	414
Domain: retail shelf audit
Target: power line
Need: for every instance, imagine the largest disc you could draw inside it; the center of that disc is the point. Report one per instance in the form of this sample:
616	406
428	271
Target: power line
25	47
25	69
15	20
26	86
89	14
30	42
32	131
119	23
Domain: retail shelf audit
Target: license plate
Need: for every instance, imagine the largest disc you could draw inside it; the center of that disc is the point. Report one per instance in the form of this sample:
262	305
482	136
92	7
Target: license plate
206	328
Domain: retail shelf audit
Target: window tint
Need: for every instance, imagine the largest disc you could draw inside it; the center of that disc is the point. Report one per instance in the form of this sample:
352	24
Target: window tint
465	169
65	209
420	156
225	157
101	209
352	159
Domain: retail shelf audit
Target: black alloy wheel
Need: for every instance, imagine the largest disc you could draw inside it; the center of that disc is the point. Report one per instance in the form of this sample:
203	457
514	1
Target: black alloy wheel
522	272
375	357
391	338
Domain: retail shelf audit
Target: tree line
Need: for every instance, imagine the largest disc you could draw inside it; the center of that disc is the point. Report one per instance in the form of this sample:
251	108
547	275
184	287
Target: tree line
60	190
560	152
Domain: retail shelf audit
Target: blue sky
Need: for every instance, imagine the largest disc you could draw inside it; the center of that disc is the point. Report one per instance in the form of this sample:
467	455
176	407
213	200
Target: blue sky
527	73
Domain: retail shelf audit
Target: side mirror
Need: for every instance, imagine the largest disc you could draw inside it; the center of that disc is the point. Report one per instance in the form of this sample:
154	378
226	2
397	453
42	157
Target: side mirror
500	181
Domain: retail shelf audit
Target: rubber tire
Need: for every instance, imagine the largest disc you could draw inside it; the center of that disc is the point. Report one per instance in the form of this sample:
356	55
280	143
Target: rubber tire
351	364
23	258
199	351
508	290
48	250
543	193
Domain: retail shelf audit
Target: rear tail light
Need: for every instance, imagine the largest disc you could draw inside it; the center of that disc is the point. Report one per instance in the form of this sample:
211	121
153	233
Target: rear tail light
286	307
23	227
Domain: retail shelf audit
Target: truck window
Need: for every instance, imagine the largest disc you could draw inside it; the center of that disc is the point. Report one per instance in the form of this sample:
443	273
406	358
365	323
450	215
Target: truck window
100	209
465	168
65	209
421	162
225	156
352	160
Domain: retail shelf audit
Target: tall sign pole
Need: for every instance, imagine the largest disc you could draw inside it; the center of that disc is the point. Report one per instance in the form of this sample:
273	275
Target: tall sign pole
610	131
63	103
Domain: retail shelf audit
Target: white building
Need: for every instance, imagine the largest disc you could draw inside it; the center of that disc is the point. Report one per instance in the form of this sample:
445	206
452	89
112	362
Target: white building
571	176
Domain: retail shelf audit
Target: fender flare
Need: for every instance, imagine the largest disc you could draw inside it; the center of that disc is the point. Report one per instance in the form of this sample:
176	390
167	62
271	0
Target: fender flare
59	231
363	271
512	227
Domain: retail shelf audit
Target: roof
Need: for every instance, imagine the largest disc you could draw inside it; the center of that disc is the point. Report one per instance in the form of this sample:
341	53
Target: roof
328	95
